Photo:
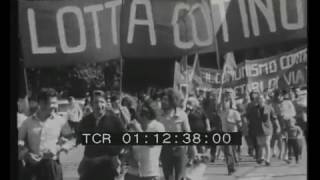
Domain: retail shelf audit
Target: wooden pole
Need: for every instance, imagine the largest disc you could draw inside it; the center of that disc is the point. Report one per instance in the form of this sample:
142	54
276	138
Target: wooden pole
219	67
121	76
26	107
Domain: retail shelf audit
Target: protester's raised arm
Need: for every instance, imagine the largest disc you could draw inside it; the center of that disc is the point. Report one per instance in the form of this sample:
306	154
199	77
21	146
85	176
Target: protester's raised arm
22	133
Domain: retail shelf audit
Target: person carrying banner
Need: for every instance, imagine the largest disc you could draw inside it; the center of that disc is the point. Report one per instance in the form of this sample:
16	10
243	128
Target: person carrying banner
174	119
40	142
100	162
144	160
231	121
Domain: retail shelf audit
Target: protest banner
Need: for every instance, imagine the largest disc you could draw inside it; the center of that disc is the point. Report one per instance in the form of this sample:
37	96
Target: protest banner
73	31
67	32
152	28
256	23
237	82
281	71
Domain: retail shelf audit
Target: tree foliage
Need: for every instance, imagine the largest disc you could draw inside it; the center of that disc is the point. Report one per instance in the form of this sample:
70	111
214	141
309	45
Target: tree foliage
75	80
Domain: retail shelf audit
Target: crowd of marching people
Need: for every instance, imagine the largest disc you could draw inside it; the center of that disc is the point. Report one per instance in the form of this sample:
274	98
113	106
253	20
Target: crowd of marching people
272	123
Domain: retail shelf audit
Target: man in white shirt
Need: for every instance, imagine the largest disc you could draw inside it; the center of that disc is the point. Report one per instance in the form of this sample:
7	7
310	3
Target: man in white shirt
40	139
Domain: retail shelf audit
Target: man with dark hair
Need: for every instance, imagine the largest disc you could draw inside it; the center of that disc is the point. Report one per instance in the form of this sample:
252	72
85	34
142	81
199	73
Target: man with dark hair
230	122
40	135
267	121
210	108
252	123
174	119
100	162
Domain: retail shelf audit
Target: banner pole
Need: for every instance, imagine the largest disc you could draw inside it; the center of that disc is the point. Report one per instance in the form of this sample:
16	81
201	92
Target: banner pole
219	67
121	76
25	99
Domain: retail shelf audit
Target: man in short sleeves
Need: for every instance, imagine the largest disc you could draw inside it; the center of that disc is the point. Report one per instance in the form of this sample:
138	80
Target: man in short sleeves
40	140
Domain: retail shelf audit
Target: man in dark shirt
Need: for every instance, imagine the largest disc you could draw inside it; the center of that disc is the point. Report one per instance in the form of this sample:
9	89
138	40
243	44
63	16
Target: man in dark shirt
210	108
261	116
100	162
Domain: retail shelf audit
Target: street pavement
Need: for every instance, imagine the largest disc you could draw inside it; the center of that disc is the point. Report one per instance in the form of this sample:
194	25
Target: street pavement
248	169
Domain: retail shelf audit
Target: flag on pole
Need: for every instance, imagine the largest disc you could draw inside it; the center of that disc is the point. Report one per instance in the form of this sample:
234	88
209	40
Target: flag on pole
228	71
184	66
177	76
23	102
196	77
229	67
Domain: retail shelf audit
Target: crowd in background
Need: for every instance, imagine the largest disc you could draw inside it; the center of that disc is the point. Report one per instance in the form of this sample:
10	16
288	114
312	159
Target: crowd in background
273	124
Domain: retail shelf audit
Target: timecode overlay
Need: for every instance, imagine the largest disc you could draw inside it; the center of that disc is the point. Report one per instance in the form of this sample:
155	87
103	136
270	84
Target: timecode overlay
164	138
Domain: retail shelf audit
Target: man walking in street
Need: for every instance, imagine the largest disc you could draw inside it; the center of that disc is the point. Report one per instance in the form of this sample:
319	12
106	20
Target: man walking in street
262	115
39	139
210	108
230	121
100	162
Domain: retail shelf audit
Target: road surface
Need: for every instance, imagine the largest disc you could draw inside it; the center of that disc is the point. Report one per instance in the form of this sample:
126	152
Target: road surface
248	169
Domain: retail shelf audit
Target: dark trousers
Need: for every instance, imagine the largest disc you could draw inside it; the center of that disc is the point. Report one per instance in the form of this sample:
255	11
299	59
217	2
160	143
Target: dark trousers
21	170
229	153
255	146
249	144
133	177
74	126
102	171
303	125
213	150
174	159
306	136
295	148
45	170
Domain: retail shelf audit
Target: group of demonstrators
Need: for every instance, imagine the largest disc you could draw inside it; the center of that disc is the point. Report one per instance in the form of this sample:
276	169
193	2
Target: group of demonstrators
275	118
265	120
